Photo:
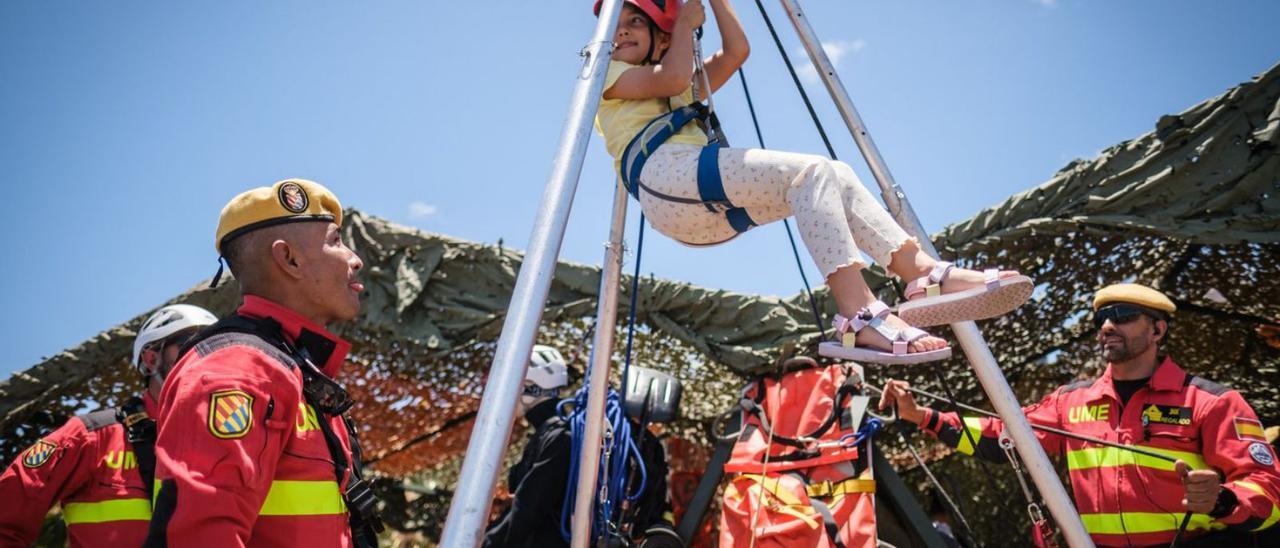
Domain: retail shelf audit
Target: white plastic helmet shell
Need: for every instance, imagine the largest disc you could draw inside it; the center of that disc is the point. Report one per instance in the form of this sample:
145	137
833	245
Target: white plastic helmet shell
547	369
168	321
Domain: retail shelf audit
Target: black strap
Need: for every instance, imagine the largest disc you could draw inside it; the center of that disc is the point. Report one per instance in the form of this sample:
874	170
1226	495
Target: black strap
140	433
752	406
828	521
329	399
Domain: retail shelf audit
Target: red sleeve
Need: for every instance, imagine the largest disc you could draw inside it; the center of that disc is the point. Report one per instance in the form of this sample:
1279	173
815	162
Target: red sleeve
52	468
1233	446
985	431
222	427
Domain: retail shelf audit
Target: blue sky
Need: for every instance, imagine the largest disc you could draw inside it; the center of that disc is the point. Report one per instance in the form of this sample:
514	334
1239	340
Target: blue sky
127	125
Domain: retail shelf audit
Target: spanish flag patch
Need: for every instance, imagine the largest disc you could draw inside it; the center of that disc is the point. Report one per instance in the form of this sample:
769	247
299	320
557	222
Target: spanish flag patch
230	414
1250	430
38	454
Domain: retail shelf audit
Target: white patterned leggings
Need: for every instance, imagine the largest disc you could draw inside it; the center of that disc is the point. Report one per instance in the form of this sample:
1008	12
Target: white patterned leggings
835	214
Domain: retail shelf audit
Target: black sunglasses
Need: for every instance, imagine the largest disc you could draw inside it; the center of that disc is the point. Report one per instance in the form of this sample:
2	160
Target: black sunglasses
1119	314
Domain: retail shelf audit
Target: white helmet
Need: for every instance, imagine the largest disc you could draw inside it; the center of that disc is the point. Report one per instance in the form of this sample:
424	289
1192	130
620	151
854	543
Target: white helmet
166	322
547	369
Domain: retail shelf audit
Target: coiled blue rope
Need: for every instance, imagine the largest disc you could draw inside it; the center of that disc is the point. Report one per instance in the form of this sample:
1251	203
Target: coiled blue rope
621	446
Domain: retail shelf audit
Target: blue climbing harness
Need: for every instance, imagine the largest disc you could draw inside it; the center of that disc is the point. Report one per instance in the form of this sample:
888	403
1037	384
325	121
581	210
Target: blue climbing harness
711	194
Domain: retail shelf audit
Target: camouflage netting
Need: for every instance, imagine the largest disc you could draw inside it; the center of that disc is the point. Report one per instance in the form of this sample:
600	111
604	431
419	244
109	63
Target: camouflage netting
1192	208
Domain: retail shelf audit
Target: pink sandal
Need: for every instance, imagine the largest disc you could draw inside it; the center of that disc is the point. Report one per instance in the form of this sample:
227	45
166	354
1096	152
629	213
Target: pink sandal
926	305
872	316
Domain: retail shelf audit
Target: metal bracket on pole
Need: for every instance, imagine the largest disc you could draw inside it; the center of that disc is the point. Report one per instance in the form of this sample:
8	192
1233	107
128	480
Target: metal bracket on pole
971	341
469	509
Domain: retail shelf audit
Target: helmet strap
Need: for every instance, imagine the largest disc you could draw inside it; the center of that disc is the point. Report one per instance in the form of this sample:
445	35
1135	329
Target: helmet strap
653	40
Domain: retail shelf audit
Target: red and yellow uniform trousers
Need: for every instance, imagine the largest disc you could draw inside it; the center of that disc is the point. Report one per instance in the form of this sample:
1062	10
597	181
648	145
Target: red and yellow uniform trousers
1129	499
90	468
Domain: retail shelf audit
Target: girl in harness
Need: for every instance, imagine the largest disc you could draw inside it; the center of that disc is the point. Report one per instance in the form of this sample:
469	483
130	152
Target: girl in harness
700	192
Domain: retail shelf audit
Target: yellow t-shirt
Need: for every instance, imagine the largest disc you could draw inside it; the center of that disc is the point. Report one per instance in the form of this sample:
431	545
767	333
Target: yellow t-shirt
619	120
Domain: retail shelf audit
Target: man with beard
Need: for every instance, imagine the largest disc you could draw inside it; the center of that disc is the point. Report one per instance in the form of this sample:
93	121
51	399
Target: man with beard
1225	474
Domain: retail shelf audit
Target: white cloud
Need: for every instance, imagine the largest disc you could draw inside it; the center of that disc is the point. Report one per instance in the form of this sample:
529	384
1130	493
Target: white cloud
422	210
836	51
1047	3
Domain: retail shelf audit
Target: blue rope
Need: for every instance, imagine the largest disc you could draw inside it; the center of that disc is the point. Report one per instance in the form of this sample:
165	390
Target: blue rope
869	429
635	293
612	473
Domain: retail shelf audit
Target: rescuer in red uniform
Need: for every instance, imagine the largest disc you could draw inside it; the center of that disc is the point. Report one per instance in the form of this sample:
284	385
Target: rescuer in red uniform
253	447
99	464
1226	473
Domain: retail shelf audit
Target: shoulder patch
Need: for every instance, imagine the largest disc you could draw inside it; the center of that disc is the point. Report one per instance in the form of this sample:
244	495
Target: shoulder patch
39	454
230	414
1261	453
99	419
1208	386
1077	385
1249	429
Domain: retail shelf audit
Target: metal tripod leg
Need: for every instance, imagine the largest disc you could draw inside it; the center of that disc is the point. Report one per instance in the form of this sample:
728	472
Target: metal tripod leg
971	341
601	352
469	510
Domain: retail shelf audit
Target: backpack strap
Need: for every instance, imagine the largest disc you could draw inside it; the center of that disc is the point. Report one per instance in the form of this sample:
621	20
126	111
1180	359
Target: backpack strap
140	433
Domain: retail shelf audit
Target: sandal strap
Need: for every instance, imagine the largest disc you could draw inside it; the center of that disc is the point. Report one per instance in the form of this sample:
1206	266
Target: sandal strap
868	315
873	316
991	277
930	285
940	271
912	334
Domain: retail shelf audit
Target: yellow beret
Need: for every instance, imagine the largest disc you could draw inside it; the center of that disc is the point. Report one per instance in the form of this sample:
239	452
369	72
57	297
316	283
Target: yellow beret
287	201
1138	294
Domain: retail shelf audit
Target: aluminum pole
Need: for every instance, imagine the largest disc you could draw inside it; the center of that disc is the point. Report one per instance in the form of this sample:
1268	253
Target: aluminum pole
601	352
469	510
971	341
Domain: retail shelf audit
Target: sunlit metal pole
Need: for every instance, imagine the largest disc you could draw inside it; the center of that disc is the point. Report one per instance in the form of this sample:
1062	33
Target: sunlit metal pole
469	510
601	352
975	347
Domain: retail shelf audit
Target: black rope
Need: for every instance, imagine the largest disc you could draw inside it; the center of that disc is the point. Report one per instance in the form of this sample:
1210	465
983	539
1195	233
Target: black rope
795	250
796	79
986	471
952	506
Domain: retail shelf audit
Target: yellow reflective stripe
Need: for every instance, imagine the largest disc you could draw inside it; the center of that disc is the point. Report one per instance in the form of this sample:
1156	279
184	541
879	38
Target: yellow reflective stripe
1106	457
1143	522
974	426
303	498
107	510
1275	511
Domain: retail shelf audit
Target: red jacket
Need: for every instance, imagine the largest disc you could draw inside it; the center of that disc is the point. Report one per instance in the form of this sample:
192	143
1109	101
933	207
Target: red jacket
240	456
90	468
1129	499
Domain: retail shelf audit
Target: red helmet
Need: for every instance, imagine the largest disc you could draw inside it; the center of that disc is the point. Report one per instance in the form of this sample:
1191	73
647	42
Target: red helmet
662	12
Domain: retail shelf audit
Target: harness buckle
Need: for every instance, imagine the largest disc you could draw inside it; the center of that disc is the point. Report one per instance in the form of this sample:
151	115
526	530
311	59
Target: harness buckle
362	503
